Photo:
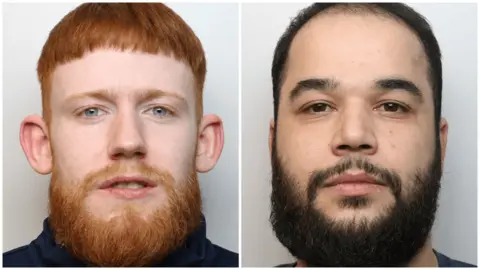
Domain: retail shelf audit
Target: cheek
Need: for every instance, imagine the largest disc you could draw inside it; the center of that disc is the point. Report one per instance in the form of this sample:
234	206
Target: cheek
78	152
172	148
304	148
406	150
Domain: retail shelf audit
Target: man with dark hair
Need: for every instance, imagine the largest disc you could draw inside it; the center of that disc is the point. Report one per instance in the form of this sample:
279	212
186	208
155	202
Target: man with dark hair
357	142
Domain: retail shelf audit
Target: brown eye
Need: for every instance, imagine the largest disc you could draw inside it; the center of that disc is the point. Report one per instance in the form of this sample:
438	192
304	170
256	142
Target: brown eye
318	108
393	107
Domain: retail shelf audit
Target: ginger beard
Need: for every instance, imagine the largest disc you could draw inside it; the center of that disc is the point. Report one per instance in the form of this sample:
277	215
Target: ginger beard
127	239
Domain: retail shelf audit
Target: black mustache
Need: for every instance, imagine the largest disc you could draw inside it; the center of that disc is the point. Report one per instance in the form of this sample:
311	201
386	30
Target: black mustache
383	176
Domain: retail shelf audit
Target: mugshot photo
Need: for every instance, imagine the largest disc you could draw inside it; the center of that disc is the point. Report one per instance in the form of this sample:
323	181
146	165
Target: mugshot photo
122	135
358	120
242	134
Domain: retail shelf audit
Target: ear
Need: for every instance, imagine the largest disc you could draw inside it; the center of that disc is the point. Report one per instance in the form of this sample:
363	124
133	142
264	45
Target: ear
270	135
210	143
36	144
443	138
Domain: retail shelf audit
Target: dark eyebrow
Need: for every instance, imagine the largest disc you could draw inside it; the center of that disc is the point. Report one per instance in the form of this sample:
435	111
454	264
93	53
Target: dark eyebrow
319	84
316	84
400	84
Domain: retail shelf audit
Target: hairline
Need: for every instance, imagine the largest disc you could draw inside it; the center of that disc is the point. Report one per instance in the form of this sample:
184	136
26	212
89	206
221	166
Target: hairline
353	9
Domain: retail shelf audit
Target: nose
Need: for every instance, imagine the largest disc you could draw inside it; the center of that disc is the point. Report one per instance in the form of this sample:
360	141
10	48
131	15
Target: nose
356	134
127	141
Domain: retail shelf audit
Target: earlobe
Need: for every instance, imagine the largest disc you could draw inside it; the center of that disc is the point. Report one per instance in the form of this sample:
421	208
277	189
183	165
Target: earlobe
36	144
443	137
210	143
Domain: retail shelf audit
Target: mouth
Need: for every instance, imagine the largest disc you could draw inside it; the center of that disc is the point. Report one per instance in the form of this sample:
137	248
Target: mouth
128	187
354	184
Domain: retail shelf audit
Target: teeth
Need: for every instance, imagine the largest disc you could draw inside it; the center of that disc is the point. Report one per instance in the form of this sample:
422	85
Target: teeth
131	185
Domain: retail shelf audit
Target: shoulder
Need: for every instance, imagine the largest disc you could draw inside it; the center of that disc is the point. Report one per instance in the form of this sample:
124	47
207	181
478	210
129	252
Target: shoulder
444	261
19	257
225	258
287	265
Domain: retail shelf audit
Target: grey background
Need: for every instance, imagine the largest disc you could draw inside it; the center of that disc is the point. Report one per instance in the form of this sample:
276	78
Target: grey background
455	231
26	27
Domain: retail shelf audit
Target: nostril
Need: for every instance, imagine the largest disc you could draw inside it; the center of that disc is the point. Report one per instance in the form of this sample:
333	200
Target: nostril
128	155
117	155
343	147
139	155
365	146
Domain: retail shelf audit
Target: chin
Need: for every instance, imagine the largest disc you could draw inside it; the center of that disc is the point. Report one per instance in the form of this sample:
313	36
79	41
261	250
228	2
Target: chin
356	216
355	211
109	212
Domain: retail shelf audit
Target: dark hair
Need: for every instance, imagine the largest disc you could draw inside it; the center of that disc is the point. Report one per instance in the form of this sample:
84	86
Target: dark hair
410	17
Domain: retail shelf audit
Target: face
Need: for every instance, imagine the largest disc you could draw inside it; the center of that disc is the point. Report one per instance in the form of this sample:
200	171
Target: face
123	107
125	144
354	149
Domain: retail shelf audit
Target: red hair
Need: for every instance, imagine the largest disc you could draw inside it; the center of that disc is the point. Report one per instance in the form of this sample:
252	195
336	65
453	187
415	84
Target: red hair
147	27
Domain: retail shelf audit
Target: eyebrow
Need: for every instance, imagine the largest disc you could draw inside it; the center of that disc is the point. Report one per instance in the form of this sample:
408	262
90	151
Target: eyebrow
109	95
327	85
316	84
400	84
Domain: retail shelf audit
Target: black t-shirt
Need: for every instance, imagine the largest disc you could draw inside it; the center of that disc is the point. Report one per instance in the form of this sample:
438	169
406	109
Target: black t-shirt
443	261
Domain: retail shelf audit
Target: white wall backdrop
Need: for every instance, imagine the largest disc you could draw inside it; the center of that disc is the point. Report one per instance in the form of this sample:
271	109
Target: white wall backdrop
26	27
455	231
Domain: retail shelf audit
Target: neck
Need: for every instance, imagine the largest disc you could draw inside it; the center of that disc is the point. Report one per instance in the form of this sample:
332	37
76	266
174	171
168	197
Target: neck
424	258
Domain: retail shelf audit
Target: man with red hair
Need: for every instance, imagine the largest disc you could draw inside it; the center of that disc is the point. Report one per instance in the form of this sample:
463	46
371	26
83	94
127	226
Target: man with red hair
123	135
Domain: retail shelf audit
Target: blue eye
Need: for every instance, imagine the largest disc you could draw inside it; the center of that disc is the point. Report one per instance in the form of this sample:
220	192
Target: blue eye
159	111
91	112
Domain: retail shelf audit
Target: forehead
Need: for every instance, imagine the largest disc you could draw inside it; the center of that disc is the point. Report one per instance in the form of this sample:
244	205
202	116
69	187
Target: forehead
356	49
123	72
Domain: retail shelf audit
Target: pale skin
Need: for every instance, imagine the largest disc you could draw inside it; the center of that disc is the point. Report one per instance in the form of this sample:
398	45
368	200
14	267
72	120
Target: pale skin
393	127
112	106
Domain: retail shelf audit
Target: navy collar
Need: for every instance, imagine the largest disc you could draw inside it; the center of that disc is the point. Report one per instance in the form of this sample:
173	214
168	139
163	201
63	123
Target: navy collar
442	260
196	251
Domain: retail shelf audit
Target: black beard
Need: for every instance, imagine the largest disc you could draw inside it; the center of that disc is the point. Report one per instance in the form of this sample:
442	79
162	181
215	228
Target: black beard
391	240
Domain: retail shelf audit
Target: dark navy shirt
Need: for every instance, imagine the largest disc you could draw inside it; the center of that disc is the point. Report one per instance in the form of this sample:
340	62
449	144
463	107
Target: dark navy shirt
443	261
197	251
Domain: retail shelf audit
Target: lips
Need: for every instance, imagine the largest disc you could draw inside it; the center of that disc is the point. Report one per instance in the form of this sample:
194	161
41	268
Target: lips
361	178
128	182
354	185
128	188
